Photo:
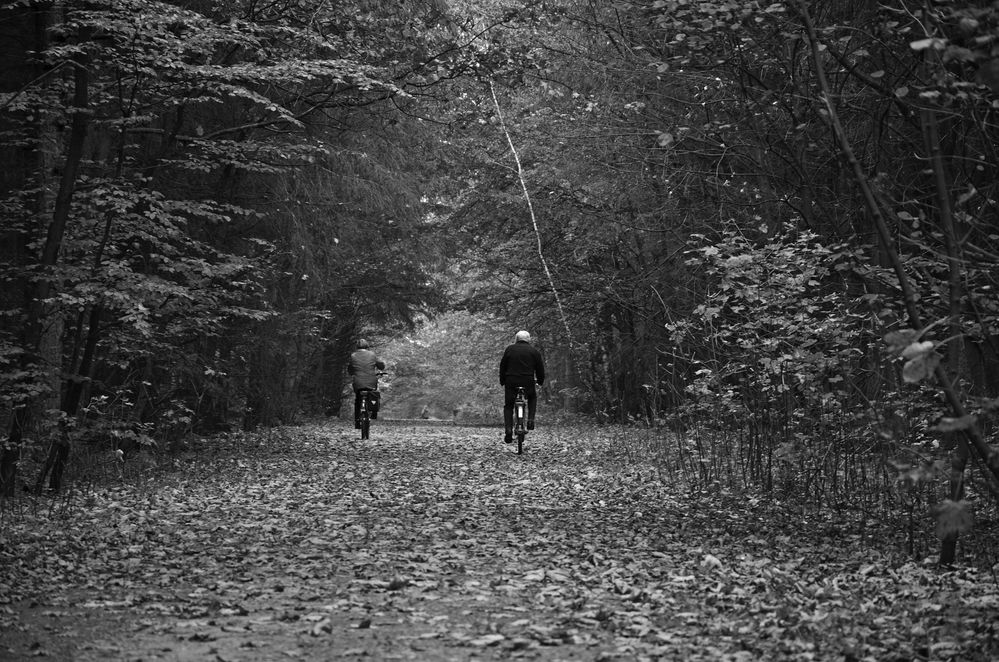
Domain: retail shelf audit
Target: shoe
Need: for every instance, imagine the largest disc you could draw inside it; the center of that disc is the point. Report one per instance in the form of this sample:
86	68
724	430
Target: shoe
508	438
530	424
374	415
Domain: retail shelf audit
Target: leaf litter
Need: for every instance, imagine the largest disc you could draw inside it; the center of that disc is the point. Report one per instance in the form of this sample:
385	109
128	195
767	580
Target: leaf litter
442	544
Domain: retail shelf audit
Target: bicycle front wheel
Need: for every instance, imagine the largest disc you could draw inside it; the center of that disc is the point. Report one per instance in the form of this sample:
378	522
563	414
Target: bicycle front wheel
520	442
365	426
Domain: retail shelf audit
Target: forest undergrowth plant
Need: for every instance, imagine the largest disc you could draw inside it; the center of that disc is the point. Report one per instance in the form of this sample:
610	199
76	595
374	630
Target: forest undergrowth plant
946	70
790	394
774	345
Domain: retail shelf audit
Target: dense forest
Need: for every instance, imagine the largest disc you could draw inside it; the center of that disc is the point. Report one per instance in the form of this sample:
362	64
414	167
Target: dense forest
766	232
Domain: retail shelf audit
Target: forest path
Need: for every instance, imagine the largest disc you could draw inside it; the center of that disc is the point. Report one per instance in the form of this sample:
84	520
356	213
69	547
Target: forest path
440	543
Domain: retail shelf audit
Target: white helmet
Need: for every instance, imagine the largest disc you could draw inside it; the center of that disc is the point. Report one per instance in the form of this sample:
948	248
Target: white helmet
523	336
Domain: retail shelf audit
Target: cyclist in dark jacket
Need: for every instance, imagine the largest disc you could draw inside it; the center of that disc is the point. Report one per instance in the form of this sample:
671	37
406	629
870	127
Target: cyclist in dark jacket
521	366
363	367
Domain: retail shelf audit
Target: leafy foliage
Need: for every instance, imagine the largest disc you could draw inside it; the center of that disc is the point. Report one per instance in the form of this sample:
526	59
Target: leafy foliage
779	315
208	132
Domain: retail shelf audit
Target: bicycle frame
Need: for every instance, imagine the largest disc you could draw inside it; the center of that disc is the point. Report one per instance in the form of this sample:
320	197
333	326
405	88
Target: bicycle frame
365	413
520	418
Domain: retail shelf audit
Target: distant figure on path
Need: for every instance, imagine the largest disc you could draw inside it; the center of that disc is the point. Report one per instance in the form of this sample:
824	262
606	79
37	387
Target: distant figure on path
521	366
363	367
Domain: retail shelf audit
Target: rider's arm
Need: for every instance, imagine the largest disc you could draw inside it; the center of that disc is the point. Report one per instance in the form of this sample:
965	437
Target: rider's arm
539	369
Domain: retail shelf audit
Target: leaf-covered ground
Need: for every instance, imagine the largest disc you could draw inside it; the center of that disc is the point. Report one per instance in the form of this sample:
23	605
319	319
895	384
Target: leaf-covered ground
442	544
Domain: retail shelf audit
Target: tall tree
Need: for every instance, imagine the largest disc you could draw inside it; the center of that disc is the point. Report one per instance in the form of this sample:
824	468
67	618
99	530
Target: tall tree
181	124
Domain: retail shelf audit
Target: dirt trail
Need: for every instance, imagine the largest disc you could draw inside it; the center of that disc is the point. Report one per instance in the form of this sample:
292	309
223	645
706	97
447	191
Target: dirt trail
442	544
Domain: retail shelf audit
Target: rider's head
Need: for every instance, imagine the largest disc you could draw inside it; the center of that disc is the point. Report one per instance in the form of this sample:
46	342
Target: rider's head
523	336
362	343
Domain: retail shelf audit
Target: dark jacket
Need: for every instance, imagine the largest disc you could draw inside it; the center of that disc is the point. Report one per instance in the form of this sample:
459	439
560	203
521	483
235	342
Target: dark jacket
521	365
363	367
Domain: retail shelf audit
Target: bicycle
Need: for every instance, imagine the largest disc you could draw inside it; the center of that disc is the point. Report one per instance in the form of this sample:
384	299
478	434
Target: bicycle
520	418
365	417
370	400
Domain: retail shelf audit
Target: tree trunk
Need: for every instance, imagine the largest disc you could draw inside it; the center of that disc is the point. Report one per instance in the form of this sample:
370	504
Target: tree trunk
74	391
34	325
955	275
22	30
59	450
958	464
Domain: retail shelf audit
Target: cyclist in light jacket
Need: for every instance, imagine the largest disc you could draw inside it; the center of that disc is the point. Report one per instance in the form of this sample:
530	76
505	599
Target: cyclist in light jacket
363	367
521	365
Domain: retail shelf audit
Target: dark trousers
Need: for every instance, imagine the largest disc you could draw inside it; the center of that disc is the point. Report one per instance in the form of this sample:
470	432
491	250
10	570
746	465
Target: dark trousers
511	396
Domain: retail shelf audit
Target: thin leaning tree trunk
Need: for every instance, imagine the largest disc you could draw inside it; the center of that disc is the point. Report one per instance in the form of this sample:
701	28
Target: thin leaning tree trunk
534	218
